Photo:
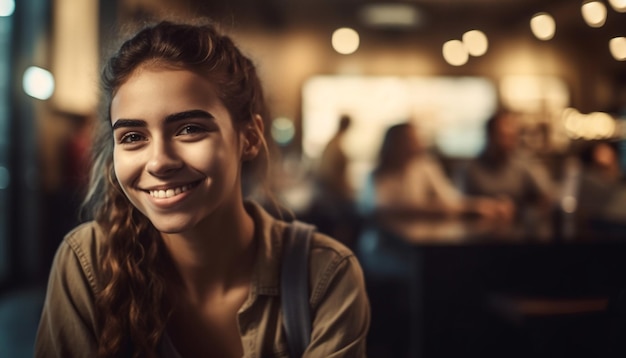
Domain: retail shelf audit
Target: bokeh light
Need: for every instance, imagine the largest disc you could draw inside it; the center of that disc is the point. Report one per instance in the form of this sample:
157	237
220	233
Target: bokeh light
455	53
594	13
543	26
617	46
618	5
345	40
475	42
283	130
38	83
595	125
7	7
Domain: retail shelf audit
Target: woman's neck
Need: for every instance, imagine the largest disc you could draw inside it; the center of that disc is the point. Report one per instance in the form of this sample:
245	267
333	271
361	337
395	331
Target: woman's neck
215	256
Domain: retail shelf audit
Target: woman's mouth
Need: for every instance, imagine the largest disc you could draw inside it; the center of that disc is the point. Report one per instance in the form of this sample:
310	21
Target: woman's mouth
172	192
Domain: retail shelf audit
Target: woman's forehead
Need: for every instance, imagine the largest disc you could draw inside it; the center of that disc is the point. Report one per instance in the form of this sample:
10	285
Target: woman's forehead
168	79
153	90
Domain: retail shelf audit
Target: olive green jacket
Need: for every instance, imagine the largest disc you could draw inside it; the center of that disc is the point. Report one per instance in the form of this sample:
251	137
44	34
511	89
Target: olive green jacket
338	300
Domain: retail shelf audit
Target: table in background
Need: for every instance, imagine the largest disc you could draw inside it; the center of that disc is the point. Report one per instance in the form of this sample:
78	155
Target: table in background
475	291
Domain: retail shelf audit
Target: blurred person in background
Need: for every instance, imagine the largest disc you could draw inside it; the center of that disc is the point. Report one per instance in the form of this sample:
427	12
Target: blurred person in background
333	209
501	172
601	203
409	197
408	183
176	263
333	167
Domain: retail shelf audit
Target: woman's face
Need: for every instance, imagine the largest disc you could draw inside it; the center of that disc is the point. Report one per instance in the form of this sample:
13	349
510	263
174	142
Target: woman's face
177	155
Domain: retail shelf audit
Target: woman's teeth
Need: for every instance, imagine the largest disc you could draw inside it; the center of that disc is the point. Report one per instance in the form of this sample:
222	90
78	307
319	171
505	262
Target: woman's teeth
169	192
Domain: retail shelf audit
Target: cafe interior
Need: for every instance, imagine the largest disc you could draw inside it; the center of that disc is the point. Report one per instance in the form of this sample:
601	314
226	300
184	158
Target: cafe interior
543	275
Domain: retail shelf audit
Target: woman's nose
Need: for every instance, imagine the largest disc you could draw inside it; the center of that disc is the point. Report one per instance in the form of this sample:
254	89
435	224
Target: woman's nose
163	160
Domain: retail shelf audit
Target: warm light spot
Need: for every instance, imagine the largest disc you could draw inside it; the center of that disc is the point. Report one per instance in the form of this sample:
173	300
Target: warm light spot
596	125
455	53
531	93
604	125
38	83
618	5
345	40
543	26
617	46
283	130
594	13
7	7
475	42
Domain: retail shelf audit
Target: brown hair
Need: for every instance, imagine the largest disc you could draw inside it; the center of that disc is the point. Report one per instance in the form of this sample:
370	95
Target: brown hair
132	305
393	155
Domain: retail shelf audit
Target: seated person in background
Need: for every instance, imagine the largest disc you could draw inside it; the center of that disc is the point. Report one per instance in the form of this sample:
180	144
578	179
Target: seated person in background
499	172
408	183
408	198
601	162
601	192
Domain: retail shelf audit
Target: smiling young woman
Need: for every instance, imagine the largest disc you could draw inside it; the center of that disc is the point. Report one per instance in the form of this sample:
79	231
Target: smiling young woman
176	261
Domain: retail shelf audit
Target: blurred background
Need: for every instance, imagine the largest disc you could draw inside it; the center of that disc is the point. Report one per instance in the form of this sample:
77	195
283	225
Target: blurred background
537	278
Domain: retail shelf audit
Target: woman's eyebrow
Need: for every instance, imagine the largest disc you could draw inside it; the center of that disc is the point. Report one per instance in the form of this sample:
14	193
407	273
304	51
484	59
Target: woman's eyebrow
194	113
174	117
125	123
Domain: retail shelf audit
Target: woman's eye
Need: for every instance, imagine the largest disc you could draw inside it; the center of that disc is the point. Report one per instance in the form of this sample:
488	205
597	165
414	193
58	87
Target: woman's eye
131	138
190	130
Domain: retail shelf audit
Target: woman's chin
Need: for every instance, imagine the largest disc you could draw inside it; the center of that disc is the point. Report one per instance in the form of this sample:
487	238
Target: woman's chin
172	226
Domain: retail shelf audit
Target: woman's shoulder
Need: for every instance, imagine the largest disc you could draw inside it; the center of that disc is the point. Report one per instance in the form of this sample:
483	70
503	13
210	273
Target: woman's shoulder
80	251
323	248
84	237
332	264
326	247
328	257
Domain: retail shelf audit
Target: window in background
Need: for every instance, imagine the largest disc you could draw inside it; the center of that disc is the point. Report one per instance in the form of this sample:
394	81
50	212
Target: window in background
449	112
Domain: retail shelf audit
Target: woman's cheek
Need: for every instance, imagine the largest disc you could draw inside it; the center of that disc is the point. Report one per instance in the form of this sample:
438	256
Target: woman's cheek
126	166
206	157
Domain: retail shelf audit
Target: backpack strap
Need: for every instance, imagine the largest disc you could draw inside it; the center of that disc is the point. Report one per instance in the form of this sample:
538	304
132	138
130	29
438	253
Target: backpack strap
294	287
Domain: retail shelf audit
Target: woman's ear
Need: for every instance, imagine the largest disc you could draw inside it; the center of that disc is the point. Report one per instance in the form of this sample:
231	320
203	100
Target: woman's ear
252	138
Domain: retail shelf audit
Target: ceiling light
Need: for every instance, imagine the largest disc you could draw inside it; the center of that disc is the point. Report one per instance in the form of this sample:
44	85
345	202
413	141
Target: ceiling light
617	46
594	13
345	40
618	5
543	26
475	42
455	53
